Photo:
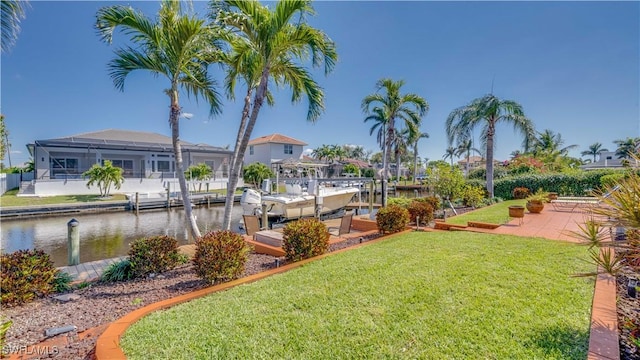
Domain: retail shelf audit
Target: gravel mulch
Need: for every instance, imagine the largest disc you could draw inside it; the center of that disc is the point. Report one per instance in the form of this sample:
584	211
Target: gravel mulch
628	320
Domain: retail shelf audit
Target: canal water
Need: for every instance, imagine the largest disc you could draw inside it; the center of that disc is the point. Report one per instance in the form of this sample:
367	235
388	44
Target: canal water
107	235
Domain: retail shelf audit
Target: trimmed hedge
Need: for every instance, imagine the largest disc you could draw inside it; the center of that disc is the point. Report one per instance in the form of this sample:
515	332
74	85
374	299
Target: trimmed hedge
574	184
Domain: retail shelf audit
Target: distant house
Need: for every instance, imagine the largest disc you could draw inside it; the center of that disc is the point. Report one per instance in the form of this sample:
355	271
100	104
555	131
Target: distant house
607	160
474	162
142	155
273	148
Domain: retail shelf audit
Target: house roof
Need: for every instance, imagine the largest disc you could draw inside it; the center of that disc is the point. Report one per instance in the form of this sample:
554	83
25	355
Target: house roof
125	139
356	162
472	159
276	139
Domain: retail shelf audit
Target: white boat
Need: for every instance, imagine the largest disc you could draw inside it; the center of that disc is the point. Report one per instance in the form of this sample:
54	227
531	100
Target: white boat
296	203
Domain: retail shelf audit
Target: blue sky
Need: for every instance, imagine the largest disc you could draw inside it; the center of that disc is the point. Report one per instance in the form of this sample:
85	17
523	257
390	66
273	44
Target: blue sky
574	66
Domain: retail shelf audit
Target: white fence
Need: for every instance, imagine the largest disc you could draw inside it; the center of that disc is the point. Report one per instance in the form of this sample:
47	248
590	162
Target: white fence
12	181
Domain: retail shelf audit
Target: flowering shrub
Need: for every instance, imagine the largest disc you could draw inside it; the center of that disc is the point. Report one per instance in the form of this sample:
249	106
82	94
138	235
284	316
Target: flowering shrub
520	192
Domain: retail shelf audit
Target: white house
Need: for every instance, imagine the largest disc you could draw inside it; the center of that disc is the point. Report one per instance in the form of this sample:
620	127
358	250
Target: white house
273	148
607	160
147	159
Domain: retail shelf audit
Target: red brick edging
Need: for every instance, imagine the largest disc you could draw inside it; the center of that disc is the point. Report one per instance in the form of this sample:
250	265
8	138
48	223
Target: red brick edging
603	337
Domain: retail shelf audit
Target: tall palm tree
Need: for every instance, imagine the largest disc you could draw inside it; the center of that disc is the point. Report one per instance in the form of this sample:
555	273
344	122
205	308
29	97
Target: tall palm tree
450	153
177	46
389	104
488	111
594	150
465	147
11	12
268	46
627	147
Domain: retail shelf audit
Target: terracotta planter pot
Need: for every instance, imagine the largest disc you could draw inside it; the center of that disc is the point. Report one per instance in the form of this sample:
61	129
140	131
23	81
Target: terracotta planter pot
516	211
535	207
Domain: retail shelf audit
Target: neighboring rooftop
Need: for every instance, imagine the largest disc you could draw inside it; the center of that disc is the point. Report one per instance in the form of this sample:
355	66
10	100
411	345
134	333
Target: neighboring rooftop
116	138
276	139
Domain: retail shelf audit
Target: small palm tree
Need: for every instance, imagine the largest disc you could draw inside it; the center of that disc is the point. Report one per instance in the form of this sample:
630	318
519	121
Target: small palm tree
465	147
267	46
104	177
179	47
414	144
450	153
255	173
198	172
594	150
549	142
627	148
384	108
487	112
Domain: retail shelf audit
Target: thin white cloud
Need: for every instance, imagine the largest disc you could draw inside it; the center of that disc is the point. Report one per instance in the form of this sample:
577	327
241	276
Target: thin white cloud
186	115
16	152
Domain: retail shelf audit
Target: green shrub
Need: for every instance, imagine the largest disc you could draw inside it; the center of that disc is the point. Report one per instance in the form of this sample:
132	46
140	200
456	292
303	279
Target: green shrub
403	202
421	209
434	201
220	256
62	282
118	271
520	192
153	254
25	275
392	219
305	238
611	180
472	195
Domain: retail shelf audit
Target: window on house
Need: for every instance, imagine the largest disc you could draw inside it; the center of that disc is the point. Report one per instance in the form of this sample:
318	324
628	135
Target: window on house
125	165
288	149
63	166
250	149
164	166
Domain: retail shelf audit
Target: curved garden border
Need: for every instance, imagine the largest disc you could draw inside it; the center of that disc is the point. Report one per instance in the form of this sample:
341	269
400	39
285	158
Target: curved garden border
108	344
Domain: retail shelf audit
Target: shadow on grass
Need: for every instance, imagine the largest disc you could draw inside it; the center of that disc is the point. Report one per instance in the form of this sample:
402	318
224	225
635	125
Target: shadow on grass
561	342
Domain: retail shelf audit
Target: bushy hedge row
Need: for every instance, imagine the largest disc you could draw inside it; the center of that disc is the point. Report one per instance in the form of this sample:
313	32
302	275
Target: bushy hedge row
575	184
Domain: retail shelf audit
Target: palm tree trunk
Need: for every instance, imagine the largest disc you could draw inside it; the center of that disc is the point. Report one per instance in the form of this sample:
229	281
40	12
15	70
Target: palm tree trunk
415	161
466	170
384	168
239	154
490	134
397	166
177	150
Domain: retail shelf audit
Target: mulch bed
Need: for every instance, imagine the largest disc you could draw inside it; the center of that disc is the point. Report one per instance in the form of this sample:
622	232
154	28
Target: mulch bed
101	303
628	320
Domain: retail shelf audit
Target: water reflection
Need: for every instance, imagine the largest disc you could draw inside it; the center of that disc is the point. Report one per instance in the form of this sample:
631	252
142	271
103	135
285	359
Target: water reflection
106	235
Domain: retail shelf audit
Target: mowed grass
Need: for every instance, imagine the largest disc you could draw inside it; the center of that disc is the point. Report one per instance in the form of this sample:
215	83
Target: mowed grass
416	295
10	198
494	214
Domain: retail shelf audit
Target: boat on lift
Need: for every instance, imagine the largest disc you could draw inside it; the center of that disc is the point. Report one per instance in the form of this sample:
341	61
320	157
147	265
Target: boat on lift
318	200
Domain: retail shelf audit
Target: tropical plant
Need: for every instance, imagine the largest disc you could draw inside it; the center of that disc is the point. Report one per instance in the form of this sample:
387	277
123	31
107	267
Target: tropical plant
551	143
401	142
255	173
305	238
465	147
199	172
154	254
447	181
487	112
413	142
350	169
450	153
25	275
269	46
392	219
5	324
627	148
104	177
386	106
178	46
594	150
620	208
118	271
12	12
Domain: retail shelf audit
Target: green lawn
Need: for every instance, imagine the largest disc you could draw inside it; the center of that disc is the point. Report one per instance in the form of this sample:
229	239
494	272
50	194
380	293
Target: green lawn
494	214
10	199
416	295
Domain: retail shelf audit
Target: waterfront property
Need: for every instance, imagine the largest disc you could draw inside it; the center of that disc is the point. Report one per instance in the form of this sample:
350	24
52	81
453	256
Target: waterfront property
146	157
273	148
